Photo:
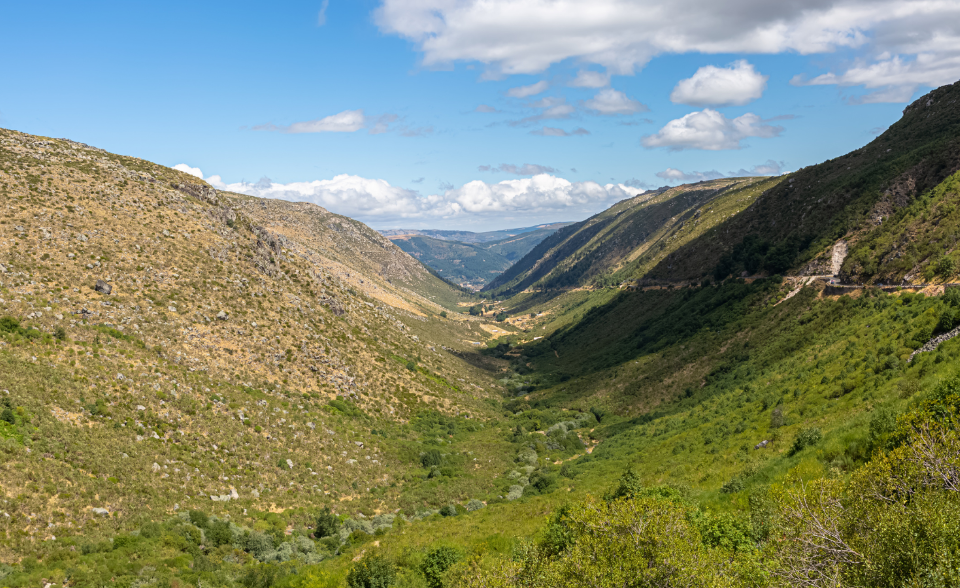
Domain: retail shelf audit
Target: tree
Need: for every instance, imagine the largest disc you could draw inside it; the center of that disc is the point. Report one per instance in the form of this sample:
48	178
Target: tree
436	563
328	524
372	571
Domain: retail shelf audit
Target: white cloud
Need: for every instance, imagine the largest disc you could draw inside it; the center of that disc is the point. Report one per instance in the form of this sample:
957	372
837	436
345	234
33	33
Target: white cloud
370	199
711	131
610	101
736	85
527	91
541	192
555	132
590	79
486	109
193	171
527	169
347	121
527	36
770	168
322	16
675	175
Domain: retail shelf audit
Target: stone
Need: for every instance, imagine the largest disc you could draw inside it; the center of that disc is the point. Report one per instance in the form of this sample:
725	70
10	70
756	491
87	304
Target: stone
290	464
222	316
100	511
103	287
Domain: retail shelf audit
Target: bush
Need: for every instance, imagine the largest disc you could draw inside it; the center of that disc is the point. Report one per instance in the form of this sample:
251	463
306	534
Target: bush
436	563
443	314
474	504
8	416
219	534
431	458
372	571
411	366
449	510
806	438
328	524
259	544
199	519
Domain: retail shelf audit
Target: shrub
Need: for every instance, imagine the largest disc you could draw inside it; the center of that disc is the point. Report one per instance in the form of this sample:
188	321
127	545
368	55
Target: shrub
431	458
436	563
449	510
733	486
411	366
259	544
372	571
474	504
150	530
443	314
8	416
806	438
328	524
219	534
776	418
199	519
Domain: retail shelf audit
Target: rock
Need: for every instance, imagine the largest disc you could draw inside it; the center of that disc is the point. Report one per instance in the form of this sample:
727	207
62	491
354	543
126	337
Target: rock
290	464
3	269
222	316
103	287
58	316
156	467
100	511
172	308
233	494
761	444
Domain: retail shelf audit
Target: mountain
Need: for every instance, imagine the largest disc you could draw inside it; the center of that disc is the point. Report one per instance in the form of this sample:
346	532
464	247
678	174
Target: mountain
471	237
472	259
167	346
647	414
628	239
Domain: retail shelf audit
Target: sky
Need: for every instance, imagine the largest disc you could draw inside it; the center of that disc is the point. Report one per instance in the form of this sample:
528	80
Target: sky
471	114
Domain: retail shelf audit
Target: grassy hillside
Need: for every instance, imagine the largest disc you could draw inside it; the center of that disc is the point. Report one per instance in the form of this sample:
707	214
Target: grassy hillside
164	346
625	241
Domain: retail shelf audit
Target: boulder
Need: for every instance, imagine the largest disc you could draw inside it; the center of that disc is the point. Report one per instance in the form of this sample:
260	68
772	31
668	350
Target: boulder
222	316
103	287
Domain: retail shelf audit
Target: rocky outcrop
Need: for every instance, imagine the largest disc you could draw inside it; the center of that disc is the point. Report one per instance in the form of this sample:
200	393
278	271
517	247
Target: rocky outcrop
932	344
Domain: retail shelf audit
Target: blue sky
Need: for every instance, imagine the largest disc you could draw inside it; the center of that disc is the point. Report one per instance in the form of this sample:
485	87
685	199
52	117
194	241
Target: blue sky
466	113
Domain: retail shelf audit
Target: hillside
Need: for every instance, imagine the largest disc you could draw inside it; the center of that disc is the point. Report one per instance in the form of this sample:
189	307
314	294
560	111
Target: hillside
469	265
627	240
167	346
476	259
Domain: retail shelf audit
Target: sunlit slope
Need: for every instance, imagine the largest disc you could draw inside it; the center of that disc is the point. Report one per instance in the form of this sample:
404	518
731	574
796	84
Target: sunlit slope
622	242
162	343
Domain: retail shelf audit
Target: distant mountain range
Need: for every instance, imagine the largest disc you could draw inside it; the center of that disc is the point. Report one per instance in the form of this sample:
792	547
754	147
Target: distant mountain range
470	259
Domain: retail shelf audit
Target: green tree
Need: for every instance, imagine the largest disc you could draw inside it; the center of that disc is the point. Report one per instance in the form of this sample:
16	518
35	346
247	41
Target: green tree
328	524
372	571
436	563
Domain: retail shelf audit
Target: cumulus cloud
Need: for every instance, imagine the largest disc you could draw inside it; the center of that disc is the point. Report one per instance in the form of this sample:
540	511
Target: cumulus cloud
610	101
347	121
736	85
555	132
527	169
527	91
590	79
527	36
711	131
193	171
374	200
